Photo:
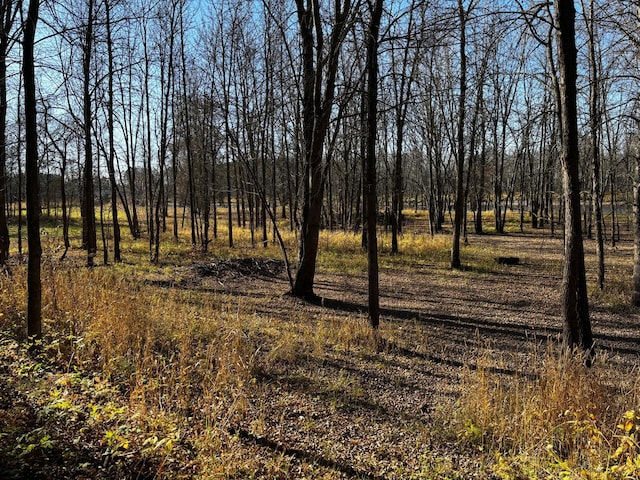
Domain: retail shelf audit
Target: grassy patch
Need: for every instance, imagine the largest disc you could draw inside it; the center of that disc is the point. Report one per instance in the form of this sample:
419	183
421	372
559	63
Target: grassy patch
563	420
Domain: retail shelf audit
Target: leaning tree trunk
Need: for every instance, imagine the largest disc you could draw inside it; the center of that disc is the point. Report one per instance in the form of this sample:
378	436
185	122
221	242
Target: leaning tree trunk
316	112
34	286
575	304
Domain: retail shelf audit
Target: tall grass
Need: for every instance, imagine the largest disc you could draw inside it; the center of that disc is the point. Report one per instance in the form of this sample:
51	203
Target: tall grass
562	421
165	356
161	376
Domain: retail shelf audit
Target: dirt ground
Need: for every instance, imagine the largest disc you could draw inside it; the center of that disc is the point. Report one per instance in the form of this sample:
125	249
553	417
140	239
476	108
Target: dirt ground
381	414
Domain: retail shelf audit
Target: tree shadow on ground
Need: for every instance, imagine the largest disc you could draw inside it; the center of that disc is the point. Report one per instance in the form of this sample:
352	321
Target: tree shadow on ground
515	333
302	455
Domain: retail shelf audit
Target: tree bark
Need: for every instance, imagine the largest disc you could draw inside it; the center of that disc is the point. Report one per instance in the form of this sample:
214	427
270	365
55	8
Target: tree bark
187	125
110	125
575	304
459	204
316	112
594	127
7	15
371	177
403	92
635	297
88	192
34	286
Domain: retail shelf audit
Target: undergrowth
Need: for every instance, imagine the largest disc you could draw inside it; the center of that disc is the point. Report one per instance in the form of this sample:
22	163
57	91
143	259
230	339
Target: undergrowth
559	419
132	365
136	381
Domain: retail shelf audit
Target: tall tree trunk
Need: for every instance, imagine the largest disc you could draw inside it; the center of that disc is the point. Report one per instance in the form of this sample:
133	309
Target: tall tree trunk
594	124
403	92
34	286
88	192
7	15
148	167
20	173
110	126
187	124
4	227
459	205
371	177
575	304
166	75
635	298
316	106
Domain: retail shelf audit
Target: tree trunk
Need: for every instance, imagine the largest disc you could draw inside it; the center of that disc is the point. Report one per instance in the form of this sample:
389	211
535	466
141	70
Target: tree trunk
34	286
187	139
403	92
110	125
148	168
371	177
20	173
575	304
594	123
88	193
459	205
316	113
6	16
167	90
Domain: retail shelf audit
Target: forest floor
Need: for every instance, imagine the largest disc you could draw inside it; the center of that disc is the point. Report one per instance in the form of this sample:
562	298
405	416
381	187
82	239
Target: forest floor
383	414
320	399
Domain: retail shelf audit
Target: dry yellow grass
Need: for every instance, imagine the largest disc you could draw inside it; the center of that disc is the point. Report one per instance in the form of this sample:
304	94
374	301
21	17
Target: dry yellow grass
561	421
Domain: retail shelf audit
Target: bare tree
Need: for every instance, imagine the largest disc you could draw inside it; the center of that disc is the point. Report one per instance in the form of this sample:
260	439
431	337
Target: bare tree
169	17
8	12
371	42
463	16
88	190
111	129
635	297
402	82
187	121
129	121
319	68
575	304
34	286
595	134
